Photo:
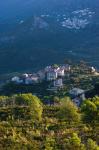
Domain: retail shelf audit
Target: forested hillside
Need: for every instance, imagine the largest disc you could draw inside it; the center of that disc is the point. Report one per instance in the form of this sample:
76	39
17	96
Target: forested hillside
26	123
53	29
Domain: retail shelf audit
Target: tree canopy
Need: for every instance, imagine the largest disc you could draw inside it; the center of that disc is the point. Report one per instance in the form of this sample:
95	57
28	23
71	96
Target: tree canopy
68	111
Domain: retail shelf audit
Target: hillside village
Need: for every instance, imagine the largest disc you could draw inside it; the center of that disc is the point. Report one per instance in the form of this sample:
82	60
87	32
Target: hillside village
52	73
60	79
45	105
51	109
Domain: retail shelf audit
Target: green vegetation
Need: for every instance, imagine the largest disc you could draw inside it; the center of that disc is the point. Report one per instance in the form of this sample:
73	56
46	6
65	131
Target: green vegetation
80	76
91	110
68	111
52	121
27	124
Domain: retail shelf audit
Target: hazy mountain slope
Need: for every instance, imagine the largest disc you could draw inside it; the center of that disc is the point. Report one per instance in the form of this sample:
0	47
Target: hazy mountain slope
56	30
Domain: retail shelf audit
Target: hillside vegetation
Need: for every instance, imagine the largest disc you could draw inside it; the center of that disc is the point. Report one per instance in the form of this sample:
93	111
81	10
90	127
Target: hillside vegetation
27	124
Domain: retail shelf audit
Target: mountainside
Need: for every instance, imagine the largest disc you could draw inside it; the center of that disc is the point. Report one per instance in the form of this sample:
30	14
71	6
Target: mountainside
47	32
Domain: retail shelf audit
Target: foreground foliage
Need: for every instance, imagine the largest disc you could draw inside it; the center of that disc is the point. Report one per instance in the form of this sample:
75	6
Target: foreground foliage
27	124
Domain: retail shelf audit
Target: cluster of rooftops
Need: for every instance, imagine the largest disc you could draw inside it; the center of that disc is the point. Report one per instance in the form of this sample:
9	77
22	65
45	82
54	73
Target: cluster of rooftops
54	75
50	73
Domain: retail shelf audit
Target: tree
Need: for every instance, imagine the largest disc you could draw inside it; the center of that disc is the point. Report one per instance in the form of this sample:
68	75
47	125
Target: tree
90	109
34	104
74	143
3	101
91	145
68	111
56	100
55	65
50	144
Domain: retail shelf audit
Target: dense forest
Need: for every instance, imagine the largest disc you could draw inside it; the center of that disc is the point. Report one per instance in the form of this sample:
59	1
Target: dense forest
27	124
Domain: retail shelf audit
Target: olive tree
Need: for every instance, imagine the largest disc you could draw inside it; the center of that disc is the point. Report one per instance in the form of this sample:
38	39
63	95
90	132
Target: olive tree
34	104
68	111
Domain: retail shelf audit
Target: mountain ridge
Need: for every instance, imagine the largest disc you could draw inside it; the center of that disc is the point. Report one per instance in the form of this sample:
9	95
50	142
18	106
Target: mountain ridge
50	36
